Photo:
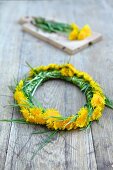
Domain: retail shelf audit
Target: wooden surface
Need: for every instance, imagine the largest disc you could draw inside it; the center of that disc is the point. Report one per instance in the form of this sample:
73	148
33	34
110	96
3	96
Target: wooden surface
57	40
76	150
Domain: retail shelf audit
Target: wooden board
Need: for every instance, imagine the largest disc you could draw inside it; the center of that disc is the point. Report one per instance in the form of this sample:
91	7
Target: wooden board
57	40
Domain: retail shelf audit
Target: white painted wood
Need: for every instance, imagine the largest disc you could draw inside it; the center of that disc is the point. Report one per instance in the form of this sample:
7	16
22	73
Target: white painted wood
58	40
62	42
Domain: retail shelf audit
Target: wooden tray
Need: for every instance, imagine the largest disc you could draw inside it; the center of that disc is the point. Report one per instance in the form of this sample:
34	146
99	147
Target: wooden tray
57	40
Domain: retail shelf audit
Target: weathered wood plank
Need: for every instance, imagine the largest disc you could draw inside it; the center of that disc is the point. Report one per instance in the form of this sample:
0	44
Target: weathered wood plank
103	140
67	151
98	62
10	45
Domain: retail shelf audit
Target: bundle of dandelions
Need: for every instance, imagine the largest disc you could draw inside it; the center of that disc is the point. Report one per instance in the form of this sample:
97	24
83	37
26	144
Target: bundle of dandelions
72	31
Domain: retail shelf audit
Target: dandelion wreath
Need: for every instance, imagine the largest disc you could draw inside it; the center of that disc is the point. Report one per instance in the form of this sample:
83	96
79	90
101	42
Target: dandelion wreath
92	110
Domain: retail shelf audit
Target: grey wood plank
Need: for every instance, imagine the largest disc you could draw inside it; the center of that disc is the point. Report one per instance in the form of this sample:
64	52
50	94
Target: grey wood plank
98	62
65	152
103	140
9	62
10	47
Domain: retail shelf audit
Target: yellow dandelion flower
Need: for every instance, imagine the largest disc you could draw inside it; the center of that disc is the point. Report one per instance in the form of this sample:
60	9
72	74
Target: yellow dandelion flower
58	125
31	119
97	113
40	119
20	85
74	125
73	35
67	72
20	98
82	35
84	32
45	68
50	114
38	115
64	124
50	125
96	87
33	115
35	111
74	26
52	66
82	118
87	30
70	73
80	73
57	67
97	100
93	84
67	124
72	68
64	71
87	77
25	113
31	72
35	69
40	68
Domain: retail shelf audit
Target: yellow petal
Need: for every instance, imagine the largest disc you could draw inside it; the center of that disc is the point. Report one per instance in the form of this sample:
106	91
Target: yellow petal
74	26
82	118
73	35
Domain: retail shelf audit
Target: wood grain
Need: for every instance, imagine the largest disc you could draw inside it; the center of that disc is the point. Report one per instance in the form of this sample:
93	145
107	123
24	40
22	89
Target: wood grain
76	150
